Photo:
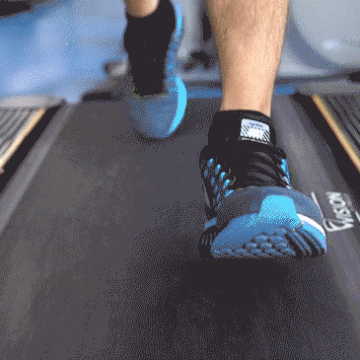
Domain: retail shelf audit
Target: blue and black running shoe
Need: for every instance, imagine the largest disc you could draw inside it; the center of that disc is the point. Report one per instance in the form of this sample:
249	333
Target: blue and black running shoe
158	98
252	209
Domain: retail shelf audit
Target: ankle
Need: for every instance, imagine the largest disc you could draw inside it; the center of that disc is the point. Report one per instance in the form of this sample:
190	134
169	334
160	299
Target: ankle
266	111
247	90
250	104
141	8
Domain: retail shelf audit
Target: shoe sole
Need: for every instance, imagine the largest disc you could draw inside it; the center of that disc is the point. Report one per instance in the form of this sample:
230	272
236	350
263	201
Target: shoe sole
287	234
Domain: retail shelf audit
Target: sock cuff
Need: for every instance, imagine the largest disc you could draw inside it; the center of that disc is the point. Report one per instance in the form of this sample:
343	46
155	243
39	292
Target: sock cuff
153	31
238	125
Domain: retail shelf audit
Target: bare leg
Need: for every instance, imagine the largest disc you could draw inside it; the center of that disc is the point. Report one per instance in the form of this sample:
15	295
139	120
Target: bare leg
249	35
141	8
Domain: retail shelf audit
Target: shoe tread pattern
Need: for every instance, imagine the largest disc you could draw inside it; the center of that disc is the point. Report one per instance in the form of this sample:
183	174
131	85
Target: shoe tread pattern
297	243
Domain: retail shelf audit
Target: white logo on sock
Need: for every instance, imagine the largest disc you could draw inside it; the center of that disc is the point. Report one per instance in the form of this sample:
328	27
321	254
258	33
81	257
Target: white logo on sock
255	130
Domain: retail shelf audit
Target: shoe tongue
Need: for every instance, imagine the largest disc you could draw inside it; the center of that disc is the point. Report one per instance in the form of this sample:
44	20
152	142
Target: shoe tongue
255	130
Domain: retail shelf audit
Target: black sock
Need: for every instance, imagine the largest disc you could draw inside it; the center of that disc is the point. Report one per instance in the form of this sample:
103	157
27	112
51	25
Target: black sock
161	21
228	126
146	41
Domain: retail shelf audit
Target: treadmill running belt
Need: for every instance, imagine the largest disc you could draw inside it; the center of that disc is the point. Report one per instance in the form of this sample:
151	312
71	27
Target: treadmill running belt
100	256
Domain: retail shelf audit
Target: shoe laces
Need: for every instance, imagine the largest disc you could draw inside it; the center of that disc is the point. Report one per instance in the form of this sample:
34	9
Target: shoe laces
238	166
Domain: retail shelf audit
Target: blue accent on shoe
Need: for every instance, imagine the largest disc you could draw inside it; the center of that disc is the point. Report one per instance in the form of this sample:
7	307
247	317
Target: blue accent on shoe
226	183
179	91
217	206
285	167
177	35
275	231
210	223
159	115
276	212
285	90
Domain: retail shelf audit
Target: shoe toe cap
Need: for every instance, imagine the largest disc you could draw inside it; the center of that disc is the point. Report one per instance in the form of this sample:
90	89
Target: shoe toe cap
158	116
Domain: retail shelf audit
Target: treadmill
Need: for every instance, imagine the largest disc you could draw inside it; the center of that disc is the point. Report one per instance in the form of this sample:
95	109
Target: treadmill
99	231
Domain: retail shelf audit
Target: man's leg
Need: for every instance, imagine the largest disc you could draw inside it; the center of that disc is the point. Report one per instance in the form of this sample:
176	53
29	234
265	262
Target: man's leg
141	8
252	208
249	35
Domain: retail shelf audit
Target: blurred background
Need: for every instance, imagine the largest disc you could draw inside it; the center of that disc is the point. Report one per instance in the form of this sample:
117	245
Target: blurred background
59	47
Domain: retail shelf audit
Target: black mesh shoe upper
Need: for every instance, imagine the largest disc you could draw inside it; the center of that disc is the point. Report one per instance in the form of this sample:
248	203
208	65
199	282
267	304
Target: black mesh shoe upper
232	162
